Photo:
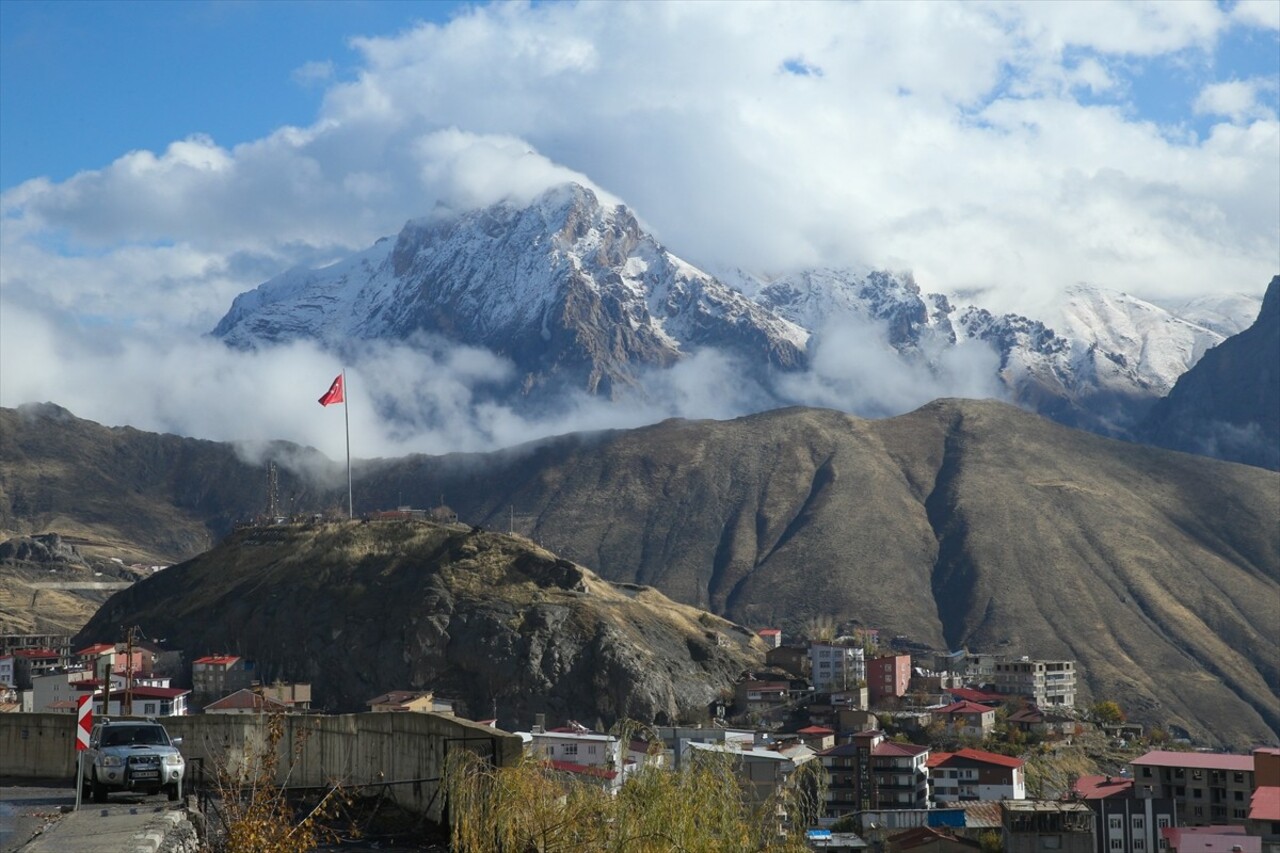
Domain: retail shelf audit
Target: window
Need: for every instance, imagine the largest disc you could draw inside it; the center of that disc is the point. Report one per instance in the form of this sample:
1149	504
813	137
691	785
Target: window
1197	774
591	749
1137	823
1146	772
1239	795
1139	844
1117	844
1115	822
1239	778
569	749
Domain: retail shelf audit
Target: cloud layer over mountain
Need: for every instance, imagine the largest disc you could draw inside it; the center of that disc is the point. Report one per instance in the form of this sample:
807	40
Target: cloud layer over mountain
988	147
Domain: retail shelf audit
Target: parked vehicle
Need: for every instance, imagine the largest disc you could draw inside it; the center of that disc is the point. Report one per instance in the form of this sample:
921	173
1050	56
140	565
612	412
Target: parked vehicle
132	755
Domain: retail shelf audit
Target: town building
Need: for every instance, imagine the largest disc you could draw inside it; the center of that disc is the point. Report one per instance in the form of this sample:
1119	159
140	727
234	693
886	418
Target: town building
1032	826
246	701
1122	821
421	701
295	695
772	637
888	678
968	719
793	660
30	663
973	774
1209	839
1207	788
8	675
928	839
1264	803
215	676
870	772
760	697
1045	682
836	667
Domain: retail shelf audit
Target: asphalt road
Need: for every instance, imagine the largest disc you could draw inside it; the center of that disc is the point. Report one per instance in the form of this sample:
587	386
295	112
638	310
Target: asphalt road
26	807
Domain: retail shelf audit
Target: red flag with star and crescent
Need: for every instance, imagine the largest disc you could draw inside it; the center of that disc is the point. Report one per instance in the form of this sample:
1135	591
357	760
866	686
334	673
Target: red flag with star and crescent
334	394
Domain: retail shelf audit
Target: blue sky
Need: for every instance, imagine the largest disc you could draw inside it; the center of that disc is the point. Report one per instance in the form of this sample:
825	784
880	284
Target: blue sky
84	82
159	158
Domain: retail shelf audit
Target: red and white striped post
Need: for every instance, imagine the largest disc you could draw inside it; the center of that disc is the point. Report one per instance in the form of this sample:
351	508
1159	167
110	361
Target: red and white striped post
84	725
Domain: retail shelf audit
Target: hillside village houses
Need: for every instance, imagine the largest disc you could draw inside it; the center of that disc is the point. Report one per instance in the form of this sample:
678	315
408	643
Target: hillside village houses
912	746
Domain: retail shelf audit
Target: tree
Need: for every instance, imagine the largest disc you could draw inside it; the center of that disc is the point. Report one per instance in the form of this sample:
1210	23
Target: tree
702	808
255	815
1108	712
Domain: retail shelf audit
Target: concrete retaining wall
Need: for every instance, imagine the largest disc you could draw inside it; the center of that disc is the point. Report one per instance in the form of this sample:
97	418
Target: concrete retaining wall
354	749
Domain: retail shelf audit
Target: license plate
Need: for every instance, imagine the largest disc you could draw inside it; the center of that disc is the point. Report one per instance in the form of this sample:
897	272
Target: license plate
146	774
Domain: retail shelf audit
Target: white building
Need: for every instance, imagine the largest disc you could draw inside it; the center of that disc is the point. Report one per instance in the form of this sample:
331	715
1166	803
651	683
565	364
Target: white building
972	774
149	697
836	667
8	675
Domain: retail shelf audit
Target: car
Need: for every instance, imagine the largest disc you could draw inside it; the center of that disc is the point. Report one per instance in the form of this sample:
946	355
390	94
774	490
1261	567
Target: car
132	755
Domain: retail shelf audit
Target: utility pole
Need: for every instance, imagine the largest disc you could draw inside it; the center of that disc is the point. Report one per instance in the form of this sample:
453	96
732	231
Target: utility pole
127	711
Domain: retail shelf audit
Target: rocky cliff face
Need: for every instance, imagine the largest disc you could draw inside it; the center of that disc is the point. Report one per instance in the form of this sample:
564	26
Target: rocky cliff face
359	609
566	288
1228	405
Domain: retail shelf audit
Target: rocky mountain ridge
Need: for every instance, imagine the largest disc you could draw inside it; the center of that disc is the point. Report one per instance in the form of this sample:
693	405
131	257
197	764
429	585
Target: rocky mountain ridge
578	296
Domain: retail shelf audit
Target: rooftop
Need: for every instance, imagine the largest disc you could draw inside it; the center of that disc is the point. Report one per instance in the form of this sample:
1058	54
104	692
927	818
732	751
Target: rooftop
96	649
983	757
1265	804
1103	787
217	660
245	699
1212	839
964	706
1196	760
891	749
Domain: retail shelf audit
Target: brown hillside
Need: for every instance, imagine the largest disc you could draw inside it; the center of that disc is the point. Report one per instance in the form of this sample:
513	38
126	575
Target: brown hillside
360	609
963	523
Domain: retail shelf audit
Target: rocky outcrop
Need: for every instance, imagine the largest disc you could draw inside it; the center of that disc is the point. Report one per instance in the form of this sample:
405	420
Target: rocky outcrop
512	630
1228	405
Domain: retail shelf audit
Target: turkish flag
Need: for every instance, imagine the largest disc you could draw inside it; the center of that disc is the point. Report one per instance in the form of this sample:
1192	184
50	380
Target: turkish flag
334	394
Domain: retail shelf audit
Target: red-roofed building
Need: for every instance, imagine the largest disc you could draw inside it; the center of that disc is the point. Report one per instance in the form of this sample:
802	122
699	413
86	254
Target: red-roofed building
972	774
1122	821
968	719
970	694
1208	788
870	772
928	839
756	696
245	701
1264	804
817	738
772	637
1210	839
33	663
215	676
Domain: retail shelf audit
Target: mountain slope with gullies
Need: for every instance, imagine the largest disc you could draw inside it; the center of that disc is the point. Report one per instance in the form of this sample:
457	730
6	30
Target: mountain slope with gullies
964	523
362	608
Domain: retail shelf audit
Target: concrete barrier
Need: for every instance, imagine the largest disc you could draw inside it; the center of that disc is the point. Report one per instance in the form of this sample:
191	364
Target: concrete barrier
407	749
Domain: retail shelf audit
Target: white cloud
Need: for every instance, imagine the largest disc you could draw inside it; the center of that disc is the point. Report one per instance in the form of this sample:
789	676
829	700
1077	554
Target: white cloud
1257	13
950	139
1236	99
315	72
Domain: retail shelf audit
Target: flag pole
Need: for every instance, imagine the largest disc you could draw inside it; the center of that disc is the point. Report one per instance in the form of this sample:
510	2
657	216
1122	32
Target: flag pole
346	417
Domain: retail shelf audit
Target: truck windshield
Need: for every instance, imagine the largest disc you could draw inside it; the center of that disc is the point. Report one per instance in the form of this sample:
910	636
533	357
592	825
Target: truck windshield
127	735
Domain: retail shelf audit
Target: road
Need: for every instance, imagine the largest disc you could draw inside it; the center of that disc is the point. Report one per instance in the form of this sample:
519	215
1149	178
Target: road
26	807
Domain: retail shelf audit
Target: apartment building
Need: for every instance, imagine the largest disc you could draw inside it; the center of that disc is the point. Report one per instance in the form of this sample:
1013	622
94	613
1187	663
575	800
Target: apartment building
1122	821
1048	683
1207	788
836	667
870	772
888	677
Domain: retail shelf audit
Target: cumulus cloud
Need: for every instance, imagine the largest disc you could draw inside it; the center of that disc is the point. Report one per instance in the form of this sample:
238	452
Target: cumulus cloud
955	140
1238	100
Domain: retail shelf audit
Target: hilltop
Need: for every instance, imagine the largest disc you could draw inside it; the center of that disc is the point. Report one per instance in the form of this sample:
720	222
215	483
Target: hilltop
509	628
